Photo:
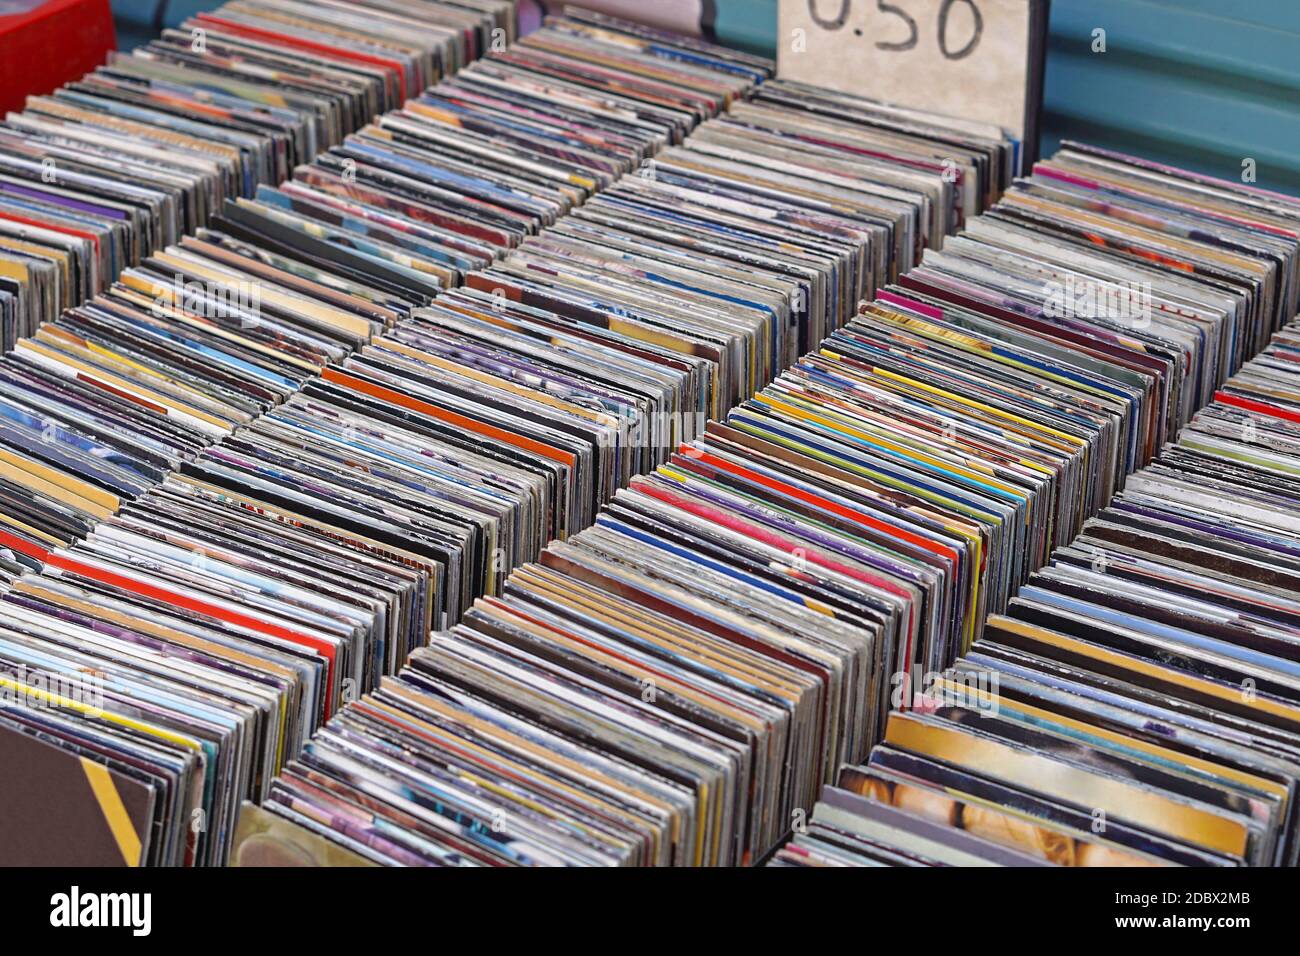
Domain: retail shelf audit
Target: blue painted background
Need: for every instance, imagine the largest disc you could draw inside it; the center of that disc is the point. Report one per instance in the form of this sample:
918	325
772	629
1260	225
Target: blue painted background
1201	83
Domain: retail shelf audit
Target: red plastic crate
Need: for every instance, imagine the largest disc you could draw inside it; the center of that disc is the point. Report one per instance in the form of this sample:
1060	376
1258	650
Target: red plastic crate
45	44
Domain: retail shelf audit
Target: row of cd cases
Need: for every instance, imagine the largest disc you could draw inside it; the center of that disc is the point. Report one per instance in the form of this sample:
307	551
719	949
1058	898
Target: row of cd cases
1136	703
570	360
839	581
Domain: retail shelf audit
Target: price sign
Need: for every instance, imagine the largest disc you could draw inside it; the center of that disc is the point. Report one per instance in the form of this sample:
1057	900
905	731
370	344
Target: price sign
974	59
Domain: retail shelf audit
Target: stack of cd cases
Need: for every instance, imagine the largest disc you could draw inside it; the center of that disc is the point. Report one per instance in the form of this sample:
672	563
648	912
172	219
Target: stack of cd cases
676	684
1136	704
201	337
254	474
569	465
120	164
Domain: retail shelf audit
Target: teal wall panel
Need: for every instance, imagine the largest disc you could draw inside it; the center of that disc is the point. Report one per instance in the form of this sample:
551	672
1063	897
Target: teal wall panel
136	19
749	24
1204	83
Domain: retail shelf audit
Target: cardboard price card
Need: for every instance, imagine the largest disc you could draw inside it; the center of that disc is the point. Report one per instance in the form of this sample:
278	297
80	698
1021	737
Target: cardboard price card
973	59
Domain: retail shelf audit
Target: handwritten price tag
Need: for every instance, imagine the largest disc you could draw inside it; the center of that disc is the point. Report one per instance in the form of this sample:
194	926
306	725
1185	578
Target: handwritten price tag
974	59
